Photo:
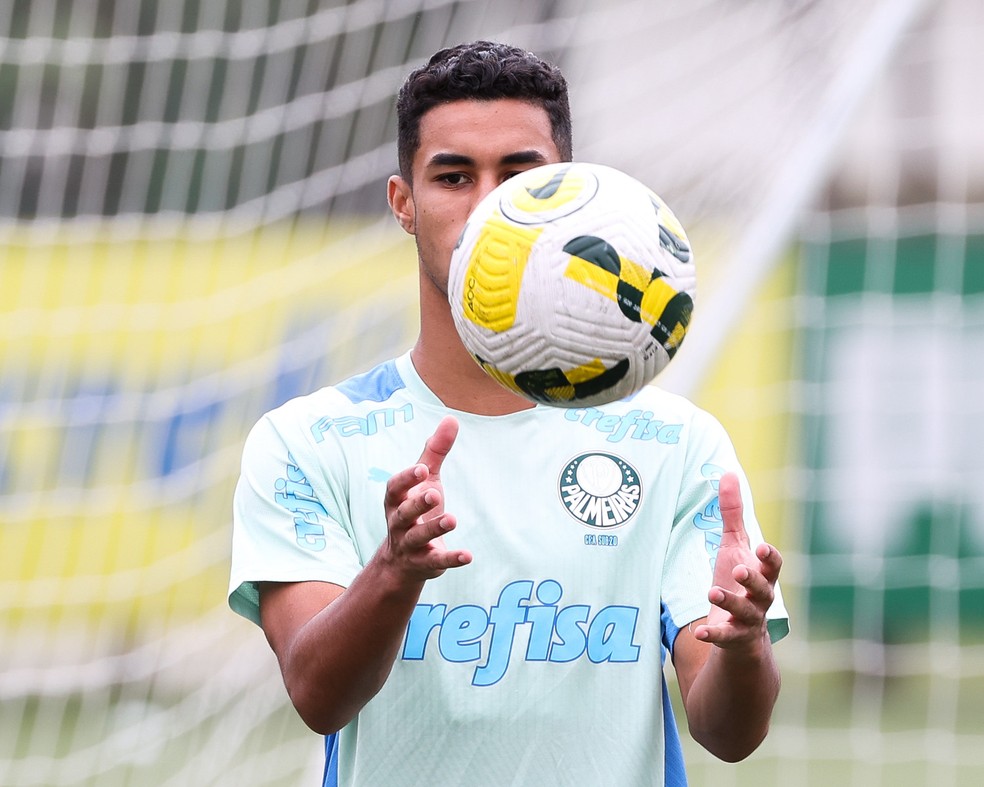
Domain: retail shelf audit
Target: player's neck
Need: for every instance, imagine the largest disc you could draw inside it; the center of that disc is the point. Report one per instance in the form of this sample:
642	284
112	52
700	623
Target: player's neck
450	372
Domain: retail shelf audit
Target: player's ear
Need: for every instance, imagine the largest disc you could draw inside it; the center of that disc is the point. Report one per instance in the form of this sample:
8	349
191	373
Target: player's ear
400	199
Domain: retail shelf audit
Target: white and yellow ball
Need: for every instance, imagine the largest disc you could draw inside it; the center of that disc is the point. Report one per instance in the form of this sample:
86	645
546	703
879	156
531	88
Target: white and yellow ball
572	284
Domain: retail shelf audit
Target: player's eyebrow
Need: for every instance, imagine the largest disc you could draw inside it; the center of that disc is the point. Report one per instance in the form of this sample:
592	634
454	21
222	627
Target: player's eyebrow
460	160
525	157
451	160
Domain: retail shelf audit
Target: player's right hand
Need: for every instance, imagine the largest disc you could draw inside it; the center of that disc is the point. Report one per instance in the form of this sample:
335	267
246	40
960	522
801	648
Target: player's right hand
415	517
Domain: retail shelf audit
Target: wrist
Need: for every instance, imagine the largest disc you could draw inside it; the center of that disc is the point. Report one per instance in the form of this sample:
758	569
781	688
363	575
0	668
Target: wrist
389	578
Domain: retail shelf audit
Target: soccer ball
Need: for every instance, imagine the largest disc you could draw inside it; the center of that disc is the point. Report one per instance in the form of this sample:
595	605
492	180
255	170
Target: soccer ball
572	284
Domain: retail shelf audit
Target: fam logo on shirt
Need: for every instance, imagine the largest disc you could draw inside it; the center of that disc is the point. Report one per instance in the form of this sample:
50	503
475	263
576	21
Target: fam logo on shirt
600	489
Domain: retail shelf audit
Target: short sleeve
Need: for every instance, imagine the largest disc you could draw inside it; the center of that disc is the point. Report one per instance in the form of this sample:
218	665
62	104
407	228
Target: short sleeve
283	531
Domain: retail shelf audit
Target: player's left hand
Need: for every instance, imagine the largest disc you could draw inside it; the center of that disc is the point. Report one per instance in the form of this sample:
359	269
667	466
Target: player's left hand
744	580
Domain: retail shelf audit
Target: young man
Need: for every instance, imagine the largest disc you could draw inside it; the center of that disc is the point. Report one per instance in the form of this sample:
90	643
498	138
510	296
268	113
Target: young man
447	619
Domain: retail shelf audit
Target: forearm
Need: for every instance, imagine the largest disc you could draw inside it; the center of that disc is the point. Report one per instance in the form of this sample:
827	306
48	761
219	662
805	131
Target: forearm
337	661
336	646
733	686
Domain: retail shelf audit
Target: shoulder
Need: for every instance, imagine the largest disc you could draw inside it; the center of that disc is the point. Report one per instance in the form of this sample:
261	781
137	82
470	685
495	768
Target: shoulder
363	391
310	415
676	406
654	397
669	408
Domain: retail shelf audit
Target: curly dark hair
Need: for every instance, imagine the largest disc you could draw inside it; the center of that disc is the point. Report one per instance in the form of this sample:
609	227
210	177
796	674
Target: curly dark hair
482	70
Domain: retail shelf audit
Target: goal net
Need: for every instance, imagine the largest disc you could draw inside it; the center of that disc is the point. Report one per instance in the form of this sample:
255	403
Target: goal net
193	229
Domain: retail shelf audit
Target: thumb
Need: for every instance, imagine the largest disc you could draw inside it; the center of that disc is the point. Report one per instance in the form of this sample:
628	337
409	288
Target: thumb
732	509
439	444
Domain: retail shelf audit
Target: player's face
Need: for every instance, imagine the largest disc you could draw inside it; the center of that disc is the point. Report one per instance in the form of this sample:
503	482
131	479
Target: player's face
467	148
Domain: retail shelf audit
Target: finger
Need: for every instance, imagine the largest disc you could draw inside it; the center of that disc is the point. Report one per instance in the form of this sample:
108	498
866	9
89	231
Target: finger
744	612
720	635
415	506
771	561
757	587
399	484
707	632
732	509
435	562
439	444
424	532
450	559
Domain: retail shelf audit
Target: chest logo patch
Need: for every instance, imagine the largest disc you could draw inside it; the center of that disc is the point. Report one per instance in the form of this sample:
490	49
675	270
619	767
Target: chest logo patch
600	489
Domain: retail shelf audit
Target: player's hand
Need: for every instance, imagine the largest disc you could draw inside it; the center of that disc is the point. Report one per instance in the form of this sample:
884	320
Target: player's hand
744	580
415	517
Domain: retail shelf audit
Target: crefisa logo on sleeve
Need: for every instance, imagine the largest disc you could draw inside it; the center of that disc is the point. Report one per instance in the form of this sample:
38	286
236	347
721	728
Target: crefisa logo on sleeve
600	489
